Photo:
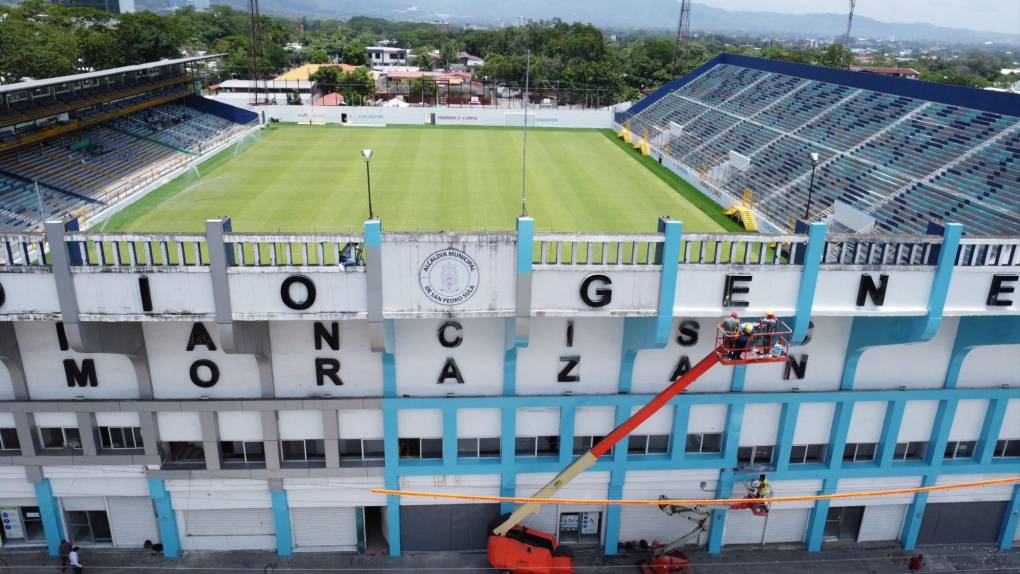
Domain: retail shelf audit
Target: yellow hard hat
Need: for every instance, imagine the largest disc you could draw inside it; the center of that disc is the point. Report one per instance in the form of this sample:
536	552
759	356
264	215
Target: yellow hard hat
769	313
748	329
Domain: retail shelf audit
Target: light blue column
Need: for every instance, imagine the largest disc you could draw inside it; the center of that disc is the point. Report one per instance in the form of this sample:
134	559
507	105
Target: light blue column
1008	529
507	447
718	524
507	487
166	518
915	514
616	479
808	282
49	511
567	414
393	521
281	518
816	523
994	415
941	426
449	436
678	441
837	436
391	471
784	440
890	433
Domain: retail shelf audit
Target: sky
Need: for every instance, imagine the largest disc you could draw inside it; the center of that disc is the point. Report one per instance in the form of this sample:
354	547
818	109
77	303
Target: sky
988	15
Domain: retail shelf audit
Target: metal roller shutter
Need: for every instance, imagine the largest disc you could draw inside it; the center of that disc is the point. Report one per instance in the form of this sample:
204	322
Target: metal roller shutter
653	525
132	520
9	502
545	519
84	503
325	527
786	525
742	527
446	526
961	522
882	522
229	522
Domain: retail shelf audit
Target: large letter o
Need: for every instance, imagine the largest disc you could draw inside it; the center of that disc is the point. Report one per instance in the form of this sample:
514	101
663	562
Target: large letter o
289	301
214	373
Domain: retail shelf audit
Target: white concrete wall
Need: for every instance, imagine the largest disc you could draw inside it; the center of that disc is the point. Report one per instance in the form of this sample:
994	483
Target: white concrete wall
421	358
814	423
596	342
239	376
557	291
700	290
917	365
653	368
294	356
371	115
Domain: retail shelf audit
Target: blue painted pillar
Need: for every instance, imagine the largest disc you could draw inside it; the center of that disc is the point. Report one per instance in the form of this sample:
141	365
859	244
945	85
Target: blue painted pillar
166	518
718	524
941	426
49	511
784	442
393	520
915	514
1008	529
567	415
808	282
890	433
816	523
616	479
990	429
678	441
281	519
449	436
507	487
391	458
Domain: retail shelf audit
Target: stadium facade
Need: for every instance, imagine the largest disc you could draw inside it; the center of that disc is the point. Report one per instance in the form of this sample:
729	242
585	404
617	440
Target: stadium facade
231	390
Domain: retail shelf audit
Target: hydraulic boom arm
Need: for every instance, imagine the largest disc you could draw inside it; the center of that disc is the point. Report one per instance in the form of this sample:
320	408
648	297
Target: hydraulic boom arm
586	460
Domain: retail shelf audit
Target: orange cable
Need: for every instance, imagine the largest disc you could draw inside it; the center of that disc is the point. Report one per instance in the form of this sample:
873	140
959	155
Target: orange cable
698	501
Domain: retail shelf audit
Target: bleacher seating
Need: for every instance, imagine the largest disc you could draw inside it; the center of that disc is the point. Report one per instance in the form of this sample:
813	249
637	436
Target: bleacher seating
903	160
95	164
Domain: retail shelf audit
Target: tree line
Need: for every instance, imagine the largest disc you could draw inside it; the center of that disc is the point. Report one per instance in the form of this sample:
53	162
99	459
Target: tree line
570	61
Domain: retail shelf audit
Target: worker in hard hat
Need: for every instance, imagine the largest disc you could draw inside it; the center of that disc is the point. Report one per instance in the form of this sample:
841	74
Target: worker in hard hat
743	341
767	326
731	324
761	486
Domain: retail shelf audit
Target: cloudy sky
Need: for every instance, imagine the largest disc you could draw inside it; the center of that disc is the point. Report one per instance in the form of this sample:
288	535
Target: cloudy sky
991	15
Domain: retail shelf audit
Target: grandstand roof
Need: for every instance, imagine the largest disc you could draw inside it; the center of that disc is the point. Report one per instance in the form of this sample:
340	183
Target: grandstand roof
904	152
31	84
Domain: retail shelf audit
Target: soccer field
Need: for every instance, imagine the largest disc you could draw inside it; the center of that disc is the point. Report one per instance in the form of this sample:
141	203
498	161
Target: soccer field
312	178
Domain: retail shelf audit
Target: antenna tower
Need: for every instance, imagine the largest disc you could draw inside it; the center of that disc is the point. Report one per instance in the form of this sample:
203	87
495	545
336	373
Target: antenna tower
846	37
683	31
259	88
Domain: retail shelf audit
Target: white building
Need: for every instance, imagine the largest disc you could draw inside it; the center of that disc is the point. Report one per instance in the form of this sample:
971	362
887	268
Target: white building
243	401
387	56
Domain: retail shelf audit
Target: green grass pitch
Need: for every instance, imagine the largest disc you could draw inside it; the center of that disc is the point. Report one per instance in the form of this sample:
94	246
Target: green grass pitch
312	178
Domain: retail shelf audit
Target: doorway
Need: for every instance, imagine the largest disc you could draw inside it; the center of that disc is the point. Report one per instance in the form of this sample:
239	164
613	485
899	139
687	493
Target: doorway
580	527
375	541
88	527
843	523
343	118
21	525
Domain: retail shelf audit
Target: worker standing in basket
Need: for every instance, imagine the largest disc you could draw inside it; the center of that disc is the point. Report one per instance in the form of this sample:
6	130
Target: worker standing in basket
760	487
767	327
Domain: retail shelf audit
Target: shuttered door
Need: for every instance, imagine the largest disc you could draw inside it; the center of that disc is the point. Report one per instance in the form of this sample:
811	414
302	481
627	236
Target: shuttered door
742	527
961	522
84	503
446	526
132	520
653	525
335	528
229	522
545	519
786	525
882	522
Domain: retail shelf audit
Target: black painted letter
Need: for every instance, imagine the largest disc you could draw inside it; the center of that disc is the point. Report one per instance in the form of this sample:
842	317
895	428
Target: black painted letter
798	369
145	293
603	295
200	336
999	289
456	340
566	374
682	366
309	292
81	377
195	374
687	335
732	288
450	371
868	289
331	337
327	368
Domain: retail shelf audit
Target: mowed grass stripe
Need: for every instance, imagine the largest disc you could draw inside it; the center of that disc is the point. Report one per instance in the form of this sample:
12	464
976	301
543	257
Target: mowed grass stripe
312	178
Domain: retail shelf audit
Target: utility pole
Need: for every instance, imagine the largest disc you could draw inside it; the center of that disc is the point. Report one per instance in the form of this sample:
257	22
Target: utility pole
846	37
683	31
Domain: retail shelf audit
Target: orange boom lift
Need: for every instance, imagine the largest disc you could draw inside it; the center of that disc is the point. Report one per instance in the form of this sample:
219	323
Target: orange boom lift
521	550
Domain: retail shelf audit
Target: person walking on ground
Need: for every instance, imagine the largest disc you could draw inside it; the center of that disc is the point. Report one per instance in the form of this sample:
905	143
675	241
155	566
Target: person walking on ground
64	550
916	563
75	561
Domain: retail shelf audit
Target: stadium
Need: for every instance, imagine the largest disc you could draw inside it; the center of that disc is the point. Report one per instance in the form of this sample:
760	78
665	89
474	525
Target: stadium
210	341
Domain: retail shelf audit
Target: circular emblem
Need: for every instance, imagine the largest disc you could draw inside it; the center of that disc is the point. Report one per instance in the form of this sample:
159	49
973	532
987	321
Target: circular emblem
449	277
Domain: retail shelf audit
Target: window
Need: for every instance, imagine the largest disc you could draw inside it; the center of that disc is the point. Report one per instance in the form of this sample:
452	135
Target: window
9	439
583	444
478	447
311	450
1007	448
238	452
960	449
914	450
648	444
420	448
56	437
808	453
755	454
190	453
537	446
704	443
120	437
352	449
859	452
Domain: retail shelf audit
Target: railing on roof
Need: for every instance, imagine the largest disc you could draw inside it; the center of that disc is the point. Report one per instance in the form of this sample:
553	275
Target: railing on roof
741	249
898	250
988	252
274	249
137	249
632	249
23	249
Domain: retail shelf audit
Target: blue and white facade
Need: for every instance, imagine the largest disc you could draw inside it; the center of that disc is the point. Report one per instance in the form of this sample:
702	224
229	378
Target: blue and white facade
225	390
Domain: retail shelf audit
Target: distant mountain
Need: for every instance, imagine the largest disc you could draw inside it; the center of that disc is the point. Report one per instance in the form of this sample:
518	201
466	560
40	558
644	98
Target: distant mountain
620	14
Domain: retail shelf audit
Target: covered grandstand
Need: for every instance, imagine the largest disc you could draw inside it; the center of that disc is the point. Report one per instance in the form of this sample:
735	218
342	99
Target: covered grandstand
73	145
898	153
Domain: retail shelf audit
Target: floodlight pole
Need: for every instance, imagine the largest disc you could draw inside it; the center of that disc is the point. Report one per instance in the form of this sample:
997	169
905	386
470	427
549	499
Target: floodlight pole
524	153
367	154
811	186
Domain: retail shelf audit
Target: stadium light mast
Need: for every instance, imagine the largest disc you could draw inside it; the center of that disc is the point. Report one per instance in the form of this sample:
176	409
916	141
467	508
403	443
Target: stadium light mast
524	152
367	154
811	186
846	37
683	31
